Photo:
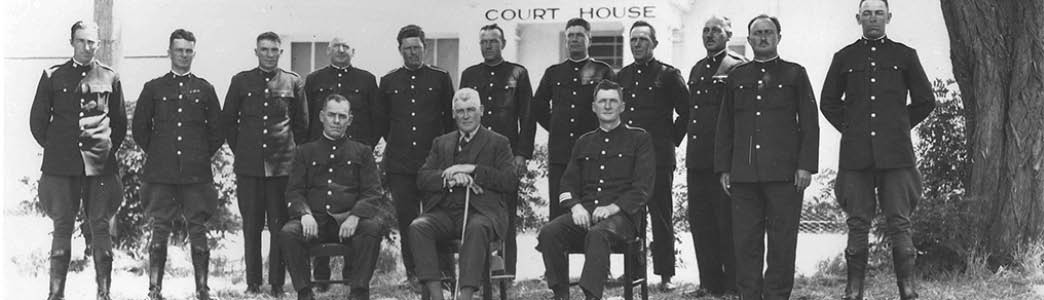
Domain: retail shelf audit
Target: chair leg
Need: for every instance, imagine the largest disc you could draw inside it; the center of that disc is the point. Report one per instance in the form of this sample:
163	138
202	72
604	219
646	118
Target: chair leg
503	289
628	269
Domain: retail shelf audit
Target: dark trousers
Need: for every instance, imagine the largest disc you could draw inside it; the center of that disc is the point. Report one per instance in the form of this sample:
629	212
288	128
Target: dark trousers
757	209
196	202
60	198
661	208
407	199
710	221
560	235
441	224
262	199
897	192
554	179
510	242
365	245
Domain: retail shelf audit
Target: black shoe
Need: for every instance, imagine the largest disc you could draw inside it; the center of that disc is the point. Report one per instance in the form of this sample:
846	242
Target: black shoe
277	292
252	290
103	273
904	273
305	294
856	265
200	272
59	268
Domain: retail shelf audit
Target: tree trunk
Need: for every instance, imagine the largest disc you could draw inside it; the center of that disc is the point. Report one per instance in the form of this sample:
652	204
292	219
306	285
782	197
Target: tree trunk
997	48
110	51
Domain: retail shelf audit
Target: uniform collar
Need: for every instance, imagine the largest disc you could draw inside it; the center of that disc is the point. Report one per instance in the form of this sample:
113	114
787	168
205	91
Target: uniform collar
498	64
77	64
267	73
646	64
767	61
175	74
331	140
579	61
869	41
422	66
341	69
718	56
618	127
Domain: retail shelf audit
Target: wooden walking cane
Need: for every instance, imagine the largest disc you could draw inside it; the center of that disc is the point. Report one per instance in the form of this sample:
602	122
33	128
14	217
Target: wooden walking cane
463	229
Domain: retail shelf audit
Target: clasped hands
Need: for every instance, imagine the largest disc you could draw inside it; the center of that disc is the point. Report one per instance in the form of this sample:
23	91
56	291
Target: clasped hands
460	176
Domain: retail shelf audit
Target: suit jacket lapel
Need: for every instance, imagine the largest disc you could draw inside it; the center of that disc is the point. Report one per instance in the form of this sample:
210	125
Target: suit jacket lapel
478	142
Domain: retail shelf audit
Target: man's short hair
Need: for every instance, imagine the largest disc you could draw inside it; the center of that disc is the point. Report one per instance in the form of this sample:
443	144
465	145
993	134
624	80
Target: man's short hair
774	20
181	34
336	98
725	22
640	23
467	94
496	27
608	85
269	36
861	3
85	25
409	31
578	22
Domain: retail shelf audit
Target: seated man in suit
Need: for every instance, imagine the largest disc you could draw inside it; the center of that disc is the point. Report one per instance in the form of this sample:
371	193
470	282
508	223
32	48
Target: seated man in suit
608	180
473	160
334	192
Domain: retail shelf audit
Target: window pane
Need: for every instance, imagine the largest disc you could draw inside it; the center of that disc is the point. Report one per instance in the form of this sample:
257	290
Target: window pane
321	58
301	57
448	57
608	49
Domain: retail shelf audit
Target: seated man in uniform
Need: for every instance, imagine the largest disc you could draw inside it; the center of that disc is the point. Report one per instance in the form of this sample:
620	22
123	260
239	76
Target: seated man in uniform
608	180
333	192
471	159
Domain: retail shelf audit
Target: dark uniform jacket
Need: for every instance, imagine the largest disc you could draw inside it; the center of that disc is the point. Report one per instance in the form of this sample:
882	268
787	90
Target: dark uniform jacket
265	116
490	152
78	118
614	167
768	126
176	124
334	177
506	95
358	86
864	97
654	92
414	107
562	103
706	87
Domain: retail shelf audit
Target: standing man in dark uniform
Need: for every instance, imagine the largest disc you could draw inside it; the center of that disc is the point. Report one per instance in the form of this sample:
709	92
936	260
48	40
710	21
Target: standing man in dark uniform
561	101
334	192
360	88
710	211
468	170
609	179
505	93
414	106
654	92
78	118
766	150
865	98
176	123
266	116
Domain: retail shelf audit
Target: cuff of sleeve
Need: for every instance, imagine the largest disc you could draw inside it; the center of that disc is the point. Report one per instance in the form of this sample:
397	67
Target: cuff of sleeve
566	200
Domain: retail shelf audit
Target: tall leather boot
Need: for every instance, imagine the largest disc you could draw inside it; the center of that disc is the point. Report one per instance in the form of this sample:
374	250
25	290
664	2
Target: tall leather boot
103	273
856	274
157	264
59	267
905	260
201	270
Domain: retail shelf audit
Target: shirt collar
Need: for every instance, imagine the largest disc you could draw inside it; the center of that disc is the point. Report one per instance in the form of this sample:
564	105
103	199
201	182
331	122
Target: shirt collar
468	136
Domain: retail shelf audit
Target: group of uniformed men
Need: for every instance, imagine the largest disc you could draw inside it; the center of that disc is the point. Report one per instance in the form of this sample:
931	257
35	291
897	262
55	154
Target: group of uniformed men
304	158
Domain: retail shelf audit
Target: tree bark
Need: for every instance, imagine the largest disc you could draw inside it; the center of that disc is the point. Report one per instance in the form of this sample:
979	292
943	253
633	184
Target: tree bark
997	51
